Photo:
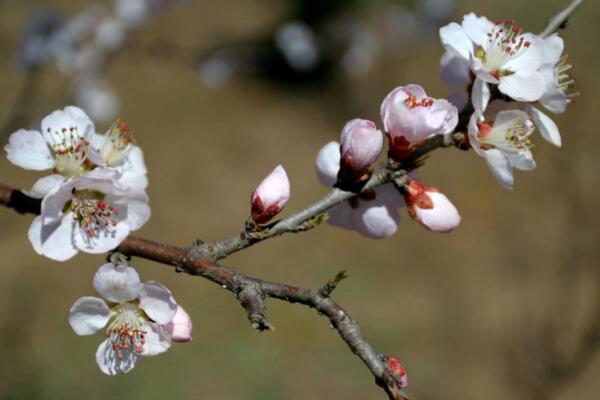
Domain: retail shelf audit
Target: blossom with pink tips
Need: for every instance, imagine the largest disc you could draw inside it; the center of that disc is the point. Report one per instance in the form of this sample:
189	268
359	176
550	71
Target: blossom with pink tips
180	327
430	208
373	214
139	316
410	116
270	196
361	145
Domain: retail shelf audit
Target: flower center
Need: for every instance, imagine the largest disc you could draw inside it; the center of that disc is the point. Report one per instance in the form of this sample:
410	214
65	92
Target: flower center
411	101
117	142
91	212
505	42
70	149
125	331
511	137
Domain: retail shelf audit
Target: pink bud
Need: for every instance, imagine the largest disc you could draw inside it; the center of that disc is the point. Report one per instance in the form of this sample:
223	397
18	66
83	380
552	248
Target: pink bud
361	144
409	117
398	370
270	196
430	208
180	327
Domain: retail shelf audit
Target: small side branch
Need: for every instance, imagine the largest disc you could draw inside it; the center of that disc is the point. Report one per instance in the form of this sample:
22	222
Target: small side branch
559	20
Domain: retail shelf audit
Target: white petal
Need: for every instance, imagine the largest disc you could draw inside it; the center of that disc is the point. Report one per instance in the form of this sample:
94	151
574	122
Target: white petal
505	119
459	99
555	100
342	216
328	163
103	241
88	315
69	117
157	302
134	171
180	327
117	283
157	339
455	39
477	28
376	220
500	167
28	149
473	128
530	58
455	70
442	218
546	125
525	86
110	364
53	240
135	208
522	160
554	48
45	185
480	96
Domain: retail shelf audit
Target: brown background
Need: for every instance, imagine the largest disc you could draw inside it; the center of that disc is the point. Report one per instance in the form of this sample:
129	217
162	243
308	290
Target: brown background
459	310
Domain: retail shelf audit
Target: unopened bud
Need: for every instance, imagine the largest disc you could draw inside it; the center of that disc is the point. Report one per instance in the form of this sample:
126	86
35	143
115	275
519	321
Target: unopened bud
270	196
399	372
430	208
409	117
361	144
180	327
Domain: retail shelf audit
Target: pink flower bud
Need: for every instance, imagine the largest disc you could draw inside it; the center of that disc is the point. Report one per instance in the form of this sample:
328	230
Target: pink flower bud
180	327
270	196
398	370
430	208
361	144
409	117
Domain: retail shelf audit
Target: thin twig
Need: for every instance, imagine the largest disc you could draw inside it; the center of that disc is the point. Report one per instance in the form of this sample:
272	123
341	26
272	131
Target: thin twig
559	19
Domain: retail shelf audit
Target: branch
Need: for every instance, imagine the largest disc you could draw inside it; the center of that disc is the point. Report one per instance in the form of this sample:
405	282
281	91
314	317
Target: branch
560	19
311	215
250	292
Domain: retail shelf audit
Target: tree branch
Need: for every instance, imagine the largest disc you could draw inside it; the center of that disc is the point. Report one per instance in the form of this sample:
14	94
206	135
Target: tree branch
251	292
559	20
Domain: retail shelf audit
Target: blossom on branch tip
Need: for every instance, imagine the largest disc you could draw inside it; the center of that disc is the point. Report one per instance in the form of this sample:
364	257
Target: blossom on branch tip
409	117
373	214
499	54
92	214
398	371
140	318
361	145
270	196
430	208
504	143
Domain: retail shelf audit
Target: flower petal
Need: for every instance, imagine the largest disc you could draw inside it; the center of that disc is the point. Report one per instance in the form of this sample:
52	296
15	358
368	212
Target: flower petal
157	339
117	283
110	363
477	28
523	86
554	49
455	39
442	218
522	160
500	167
103	241
455	70
28	149
481	94
328	163
135	207
69	117
157	302
53	240
546	125
88	315
530	58
134	171
376	220
342	216
180	327
45	185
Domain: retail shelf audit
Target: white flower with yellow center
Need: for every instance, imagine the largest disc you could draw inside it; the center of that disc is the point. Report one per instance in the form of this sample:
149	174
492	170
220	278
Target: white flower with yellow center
139	318
499	54
63	146
90	214
504	144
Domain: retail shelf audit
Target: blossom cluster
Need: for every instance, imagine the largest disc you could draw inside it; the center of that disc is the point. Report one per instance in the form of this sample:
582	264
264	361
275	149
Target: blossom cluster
95	194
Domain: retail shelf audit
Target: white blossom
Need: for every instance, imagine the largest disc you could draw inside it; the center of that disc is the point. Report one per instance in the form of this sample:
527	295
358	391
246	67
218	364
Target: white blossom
270	196
138	318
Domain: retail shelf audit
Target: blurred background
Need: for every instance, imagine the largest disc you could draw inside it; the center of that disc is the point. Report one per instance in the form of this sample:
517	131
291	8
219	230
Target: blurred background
218	93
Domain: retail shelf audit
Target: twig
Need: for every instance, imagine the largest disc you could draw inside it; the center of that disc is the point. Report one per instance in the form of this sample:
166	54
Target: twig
559	19
251	292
